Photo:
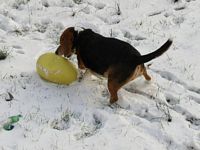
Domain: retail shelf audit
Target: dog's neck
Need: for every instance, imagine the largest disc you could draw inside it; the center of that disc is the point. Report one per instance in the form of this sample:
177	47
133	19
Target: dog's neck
75	41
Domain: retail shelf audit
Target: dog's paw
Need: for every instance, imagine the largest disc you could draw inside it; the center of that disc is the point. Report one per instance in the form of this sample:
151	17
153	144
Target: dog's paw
114	105
84	75
119	105
80	78
123	104
105	93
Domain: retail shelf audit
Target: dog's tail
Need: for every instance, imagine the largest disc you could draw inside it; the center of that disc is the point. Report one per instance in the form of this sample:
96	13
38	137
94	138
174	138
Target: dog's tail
158	52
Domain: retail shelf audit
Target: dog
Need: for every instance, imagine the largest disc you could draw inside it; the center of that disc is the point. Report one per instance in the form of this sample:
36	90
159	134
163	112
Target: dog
112	58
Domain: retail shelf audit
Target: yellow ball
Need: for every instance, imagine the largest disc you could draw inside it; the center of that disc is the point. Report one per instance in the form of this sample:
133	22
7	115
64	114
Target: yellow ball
57	69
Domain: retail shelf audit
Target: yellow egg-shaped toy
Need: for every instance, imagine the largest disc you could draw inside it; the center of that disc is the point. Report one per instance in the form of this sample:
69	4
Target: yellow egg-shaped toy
57	69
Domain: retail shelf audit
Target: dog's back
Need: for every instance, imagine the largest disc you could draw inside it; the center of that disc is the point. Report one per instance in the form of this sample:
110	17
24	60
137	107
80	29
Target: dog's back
99	52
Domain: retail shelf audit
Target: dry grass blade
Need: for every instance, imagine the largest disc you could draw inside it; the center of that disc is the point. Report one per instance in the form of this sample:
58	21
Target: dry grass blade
10	98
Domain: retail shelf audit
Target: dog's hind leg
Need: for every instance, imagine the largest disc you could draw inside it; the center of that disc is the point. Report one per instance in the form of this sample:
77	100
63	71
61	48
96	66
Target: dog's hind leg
117	77
113	88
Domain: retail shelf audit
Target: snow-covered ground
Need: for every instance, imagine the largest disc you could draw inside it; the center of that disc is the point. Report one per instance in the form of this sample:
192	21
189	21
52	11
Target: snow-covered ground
161	115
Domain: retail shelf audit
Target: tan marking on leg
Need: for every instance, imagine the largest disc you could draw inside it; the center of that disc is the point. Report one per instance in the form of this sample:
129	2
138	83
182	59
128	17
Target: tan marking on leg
140	70
146	76
137	72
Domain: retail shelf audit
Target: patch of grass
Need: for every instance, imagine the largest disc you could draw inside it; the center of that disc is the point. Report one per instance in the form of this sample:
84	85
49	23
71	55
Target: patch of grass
4	53
18	3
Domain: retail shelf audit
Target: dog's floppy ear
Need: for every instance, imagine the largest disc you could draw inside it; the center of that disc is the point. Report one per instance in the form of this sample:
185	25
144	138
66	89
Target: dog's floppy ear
67	42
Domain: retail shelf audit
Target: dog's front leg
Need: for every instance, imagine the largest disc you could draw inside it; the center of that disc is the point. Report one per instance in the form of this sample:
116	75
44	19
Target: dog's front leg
80	62
83	71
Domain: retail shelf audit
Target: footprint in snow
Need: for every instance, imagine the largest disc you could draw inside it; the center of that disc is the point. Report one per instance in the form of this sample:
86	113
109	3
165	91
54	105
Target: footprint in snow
88	130
99	5
171	99
171	77
17	46
193	120
178	20
20	52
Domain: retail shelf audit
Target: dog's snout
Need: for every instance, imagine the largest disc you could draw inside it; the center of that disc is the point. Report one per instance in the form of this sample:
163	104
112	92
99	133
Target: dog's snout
56	52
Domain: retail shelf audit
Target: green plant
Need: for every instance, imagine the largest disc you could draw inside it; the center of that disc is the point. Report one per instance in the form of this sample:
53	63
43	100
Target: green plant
4	53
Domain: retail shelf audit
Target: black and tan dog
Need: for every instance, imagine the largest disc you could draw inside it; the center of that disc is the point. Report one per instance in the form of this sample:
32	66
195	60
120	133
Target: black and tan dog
115	59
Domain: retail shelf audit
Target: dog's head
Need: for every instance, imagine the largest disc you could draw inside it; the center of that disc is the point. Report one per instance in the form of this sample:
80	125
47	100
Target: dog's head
67	39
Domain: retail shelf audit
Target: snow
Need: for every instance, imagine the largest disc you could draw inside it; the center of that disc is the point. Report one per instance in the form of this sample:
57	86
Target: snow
161	115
